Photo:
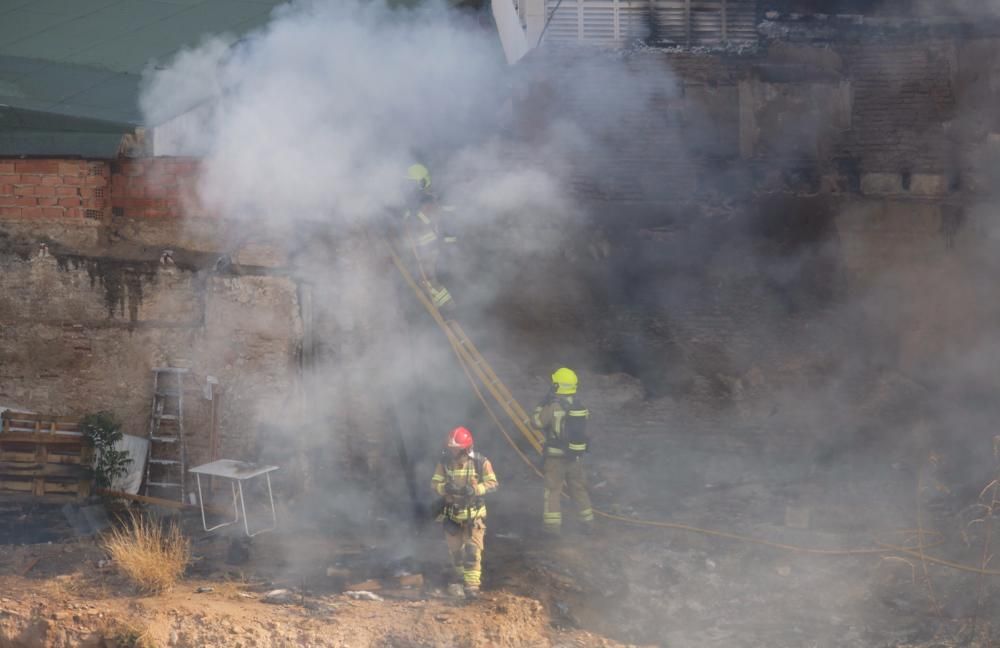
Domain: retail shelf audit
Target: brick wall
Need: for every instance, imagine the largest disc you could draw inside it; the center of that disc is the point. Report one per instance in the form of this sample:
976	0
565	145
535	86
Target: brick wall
902	98
71	189
665	123
53	188
153	187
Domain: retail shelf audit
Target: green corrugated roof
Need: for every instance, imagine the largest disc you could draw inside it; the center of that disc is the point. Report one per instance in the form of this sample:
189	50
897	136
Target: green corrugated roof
79	60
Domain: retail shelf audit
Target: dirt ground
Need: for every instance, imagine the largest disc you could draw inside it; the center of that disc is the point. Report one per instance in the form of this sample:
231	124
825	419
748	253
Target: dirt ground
69	598
627	585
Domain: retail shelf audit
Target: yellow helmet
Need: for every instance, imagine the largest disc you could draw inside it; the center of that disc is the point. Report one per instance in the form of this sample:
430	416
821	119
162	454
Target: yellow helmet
564	381
418	173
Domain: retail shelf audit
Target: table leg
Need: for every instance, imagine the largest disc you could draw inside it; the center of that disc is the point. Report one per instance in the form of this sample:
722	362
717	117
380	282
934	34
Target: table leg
201	505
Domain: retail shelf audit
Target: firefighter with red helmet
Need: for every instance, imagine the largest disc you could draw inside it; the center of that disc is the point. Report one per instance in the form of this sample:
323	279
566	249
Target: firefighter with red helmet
462	478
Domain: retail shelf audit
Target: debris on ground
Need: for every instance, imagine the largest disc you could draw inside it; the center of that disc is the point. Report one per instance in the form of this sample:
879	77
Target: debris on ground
363	595
279	597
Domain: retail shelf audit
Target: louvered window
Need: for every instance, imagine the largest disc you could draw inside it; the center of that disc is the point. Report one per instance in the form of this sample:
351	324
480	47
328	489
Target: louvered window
680	22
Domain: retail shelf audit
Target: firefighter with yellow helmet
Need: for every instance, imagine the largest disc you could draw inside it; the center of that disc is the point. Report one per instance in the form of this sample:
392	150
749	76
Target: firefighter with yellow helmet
562	417
423	232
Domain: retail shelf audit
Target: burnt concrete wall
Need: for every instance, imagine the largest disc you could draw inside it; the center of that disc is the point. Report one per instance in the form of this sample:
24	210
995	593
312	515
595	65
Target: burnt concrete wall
823	190
81	333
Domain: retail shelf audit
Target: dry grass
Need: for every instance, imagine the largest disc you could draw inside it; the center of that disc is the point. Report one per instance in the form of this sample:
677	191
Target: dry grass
151	556
125	633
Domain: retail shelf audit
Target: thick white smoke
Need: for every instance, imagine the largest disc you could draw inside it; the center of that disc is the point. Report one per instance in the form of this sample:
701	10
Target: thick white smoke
320	113
310	125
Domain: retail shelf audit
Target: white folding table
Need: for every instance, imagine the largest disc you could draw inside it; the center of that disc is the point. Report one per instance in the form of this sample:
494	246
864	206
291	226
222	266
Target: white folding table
236	472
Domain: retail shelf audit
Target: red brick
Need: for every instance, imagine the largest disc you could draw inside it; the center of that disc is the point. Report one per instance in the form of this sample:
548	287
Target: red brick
6	167
67	191
43	190
10	178
53	212
26	201
186	166
24	190
162	181
136	191
96	181
10	212
31	212
133	169
52	180
72	180
72	168
7	201
31	178
6	190
74	212
47	201
36	166
69	202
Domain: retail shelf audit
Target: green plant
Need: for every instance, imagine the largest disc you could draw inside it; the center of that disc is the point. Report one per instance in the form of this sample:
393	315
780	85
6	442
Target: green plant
102	430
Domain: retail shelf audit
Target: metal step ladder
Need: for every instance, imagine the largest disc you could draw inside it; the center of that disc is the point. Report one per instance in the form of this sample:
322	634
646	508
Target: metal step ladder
474	361
166	460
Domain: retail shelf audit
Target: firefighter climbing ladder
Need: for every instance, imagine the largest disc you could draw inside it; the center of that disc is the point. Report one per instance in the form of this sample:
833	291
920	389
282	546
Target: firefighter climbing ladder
165	457
473	363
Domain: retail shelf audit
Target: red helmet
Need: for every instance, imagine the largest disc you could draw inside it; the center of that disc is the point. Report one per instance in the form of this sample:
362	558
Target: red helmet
460	438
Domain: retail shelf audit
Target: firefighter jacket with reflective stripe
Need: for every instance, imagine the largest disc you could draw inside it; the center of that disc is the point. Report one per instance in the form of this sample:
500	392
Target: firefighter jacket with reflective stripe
472	470
422	223
563	419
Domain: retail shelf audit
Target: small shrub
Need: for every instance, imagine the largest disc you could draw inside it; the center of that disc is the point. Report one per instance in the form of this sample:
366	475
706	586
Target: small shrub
103	431
150	555
118	633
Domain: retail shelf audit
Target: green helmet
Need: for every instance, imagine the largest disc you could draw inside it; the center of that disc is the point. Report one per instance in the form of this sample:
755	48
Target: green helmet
419	174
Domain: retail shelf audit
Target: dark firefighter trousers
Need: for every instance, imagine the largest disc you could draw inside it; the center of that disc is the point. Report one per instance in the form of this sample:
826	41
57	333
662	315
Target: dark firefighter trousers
569	470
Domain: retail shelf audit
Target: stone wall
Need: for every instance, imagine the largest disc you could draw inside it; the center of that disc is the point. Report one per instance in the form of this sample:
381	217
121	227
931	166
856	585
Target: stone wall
82	334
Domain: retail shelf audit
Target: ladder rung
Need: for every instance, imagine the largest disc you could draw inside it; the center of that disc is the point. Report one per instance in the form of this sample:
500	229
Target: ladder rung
164	484
169	392
166	462
165	439
167	417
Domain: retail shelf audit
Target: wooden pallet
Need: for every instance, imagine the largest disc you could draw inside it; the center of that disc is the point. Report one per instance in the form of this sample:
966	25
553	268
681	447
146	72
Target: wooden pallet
41	455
